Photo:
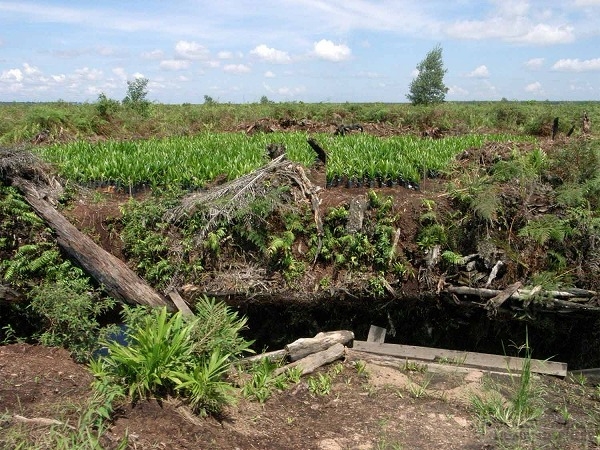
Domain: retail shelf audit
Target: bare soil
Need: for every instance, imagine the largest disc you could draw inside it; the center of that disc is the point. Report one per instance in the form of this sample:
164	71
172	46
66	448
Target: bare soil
382	408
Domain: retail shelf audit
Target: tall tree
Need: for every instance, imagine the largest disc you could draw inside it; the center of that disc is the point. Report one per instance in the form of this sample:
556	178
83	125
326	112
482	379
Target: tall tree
428	86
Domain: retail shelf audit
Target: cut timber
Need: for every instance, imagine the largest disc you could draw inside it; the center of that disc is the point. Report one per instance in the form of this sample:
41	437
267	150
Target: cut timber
311	362
376	334
116	278
495	302
481	360
274	356
180	303
305	346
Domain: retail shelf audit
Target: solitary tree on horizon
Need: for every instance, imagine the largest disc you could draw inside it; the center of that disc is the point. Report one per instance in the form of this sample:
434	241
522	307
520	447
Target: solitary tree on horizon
428	86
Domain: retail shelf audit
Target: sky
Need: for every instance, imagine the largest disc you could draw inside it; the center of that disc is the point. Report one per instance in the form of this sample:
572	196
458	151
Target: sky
297	50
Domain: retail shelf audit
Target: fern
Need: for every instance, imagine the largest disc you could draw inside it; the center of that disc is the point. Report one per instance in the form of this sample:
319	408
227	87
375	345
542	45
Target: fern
281	244
486	204
545	228
451	257
45	260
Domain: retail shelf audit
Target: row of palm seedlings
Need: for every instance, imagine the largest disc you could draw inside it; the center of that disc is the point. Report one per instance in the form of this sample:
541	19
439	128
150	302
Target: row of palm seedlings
193	161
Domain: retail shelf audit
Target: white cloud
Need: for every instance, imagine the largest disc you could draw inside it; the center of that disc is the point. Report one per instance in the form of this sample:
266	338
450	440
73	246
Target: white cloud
120	73
545	34
174	64
59	78
154	54
225	55
480	72
285	90
457	90
236	68
270	54
213	64
534	88
329	51
88	74
12	75
535	63
269	74
191	50
575	65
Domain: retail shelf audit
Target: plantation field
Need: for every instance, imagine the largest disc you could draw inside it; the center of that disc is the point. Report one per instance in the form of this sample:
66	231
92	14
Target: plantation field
191	162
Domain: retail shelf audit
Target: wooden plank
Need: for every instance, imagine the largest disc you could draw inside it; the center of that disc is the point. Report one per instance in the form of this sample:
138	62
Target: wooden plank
482	360
180	303
376	334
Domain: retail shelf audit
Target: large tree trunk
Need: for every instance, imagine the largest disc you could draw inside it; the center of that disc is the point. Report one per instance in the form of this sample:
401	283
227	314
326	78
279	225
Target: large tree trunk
113	274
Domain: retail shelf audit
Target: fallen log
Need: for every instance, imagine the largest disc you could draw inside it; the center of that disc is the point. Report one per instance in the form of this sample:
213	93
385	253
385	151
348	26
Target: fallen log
118	280
306	346
520	294
274	356
310	363
495	302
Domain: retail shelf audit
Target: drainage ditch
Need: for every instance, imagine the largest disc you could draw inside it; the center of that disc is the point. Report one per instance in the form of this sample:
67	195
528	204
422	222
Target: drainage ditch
571	338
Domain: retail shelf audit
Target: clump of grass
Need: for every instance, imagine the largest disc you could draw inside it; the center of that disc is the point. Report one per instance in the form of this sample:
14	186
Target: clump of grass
525	404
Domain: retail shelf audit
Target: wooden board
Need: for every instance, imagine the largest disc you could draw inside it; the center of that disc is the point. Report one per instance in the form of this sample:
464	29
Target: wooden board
376	334
481	360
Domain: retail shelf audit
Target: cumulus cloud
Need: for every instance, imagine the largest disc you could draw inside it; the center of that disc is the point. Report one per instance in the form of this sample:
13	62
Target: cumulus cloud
575	65
457	90
174	64
225	55
285	91
12	75
191	50
88	74
270	54
480	72
329	51
120	73
269	74
236	68
534	88
154	54
545	34
535	63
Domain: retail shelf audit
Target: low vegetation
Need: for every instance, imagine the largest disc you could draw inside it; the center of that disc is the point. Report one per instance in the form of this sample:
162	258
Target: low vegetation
500	187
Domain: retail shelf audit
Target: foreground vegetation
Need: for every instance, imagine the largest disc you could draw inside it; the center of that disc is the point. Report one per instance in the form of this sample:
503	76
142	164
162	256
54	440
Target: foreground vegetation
488	198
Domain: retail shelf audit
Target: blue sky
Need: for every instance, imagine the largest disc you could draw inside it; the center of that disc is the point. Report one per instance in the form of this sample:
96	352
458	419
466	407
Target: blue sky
297	50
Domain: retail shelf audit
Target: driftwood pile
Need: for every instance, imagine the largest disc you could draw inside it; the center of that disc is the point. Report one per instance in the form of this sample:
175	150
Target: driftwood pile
308	354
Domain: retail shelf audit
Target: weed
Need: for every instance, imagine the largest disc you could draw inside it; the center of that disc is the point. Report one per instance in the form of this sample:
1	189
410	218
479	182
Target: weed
361	368
419	390
320	384
263	382
524	405
412	366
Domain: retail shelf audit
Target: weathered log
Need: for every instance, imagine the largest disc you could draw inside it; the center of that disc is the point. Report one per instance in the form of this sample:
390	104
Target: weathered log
117	279
495	302
305	346
520	294
313	361
274	356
